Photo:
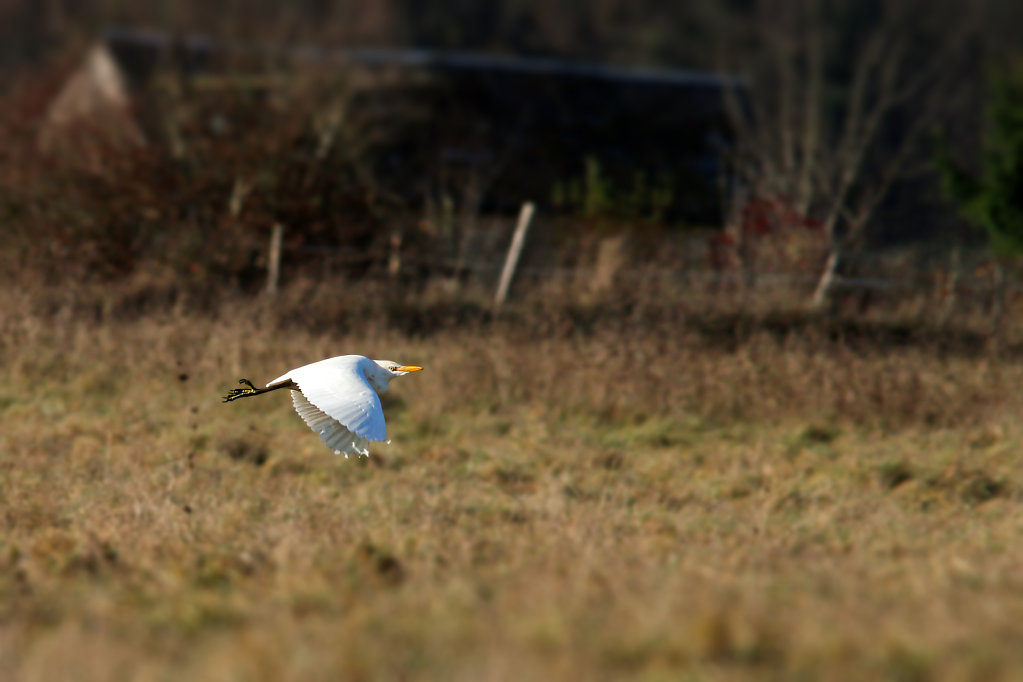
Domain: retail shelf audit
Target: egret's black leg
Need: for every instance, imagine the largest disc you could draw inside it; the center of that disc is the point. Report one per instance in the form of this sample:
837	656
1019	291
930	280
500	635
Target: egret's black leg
236	393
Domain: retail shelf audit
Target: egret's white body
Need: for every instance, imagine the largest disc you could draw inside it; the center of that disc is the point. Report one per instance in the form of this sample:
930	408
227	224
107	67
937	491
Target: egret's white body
339	398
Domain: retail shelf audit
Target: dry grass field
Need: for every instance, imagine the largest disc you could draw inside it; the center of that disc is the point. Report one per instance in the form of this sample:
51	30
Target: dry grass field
568	496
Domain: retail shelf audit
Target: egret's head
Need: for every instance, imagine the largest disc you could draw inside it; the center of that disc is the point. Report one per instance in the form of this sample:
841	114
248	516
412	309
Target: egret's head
380	372
396	369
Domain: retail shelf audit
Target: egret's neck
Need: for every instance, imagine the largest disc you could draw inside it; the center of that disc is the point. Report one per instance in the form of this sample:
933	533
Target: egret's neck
377	377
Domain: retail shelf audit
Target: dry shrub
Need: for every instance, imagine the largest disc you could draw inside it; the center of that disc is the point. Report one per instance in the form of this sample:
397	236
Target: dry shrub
220	166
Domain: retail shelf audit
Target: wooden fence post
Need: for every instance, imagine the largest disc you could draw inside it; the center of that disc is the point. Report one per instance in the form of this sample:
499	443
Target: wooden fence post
394	255
514	251
273	261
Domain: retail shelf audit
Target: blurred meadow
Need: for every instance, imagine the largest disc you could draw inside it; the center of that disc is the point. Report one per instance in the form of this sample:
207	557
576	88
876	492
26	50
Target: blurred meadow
645	501
778	443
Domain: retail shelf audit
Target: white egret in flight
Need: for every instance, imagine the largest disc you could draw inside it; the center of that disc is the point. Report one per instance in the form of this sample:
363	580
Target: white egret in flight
338	398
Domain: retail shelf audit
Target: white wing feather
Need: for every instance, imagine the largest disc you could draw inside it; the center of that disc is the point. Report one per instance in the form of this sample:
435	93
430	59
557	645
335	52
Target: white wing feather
337	402
331	432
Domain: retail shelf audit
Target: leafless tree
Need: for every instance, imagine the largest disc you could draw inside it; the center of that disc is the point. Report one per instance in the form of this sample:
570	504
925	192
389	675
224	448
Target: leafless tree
843	94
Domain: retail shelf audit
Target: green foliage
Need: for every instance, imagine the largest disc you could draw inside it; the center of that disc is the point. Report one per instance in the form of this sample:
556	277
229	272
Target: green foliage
993	200
596	196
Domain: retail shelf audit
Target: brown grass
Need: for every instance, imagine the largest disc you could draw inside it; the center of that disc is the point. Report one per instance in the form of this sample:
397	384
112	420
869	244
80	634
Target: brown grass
663	496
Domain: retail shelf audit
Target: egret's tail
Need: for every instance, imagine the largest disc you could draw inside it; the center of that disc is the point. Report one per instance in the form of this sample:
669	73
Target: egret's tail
236	393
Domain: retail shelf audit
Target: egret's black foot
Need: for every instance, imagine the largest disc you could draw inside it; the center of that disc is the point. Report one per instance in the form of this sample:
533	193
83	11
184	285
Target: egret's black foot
236	393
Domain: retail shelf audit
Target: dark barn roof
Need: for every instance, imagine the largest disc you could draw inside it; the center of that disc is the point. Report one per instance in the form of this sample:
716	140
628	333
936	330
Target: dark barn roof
524	125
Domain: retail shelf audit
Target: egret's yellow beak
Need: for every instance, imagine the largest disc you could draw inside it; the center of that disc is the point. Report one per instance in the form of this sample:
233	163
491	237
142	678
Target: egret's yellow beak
409	368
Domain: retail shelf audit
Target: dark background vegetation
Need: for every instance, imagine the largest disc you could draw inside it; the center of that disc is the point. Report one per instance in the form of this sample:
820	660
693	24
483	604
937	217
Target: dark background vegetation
831	161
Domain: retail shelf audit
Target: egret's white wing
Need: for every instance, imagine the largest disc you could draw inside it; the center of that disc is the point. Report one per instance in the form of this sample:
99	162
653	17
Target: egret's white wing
338	390
333	434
